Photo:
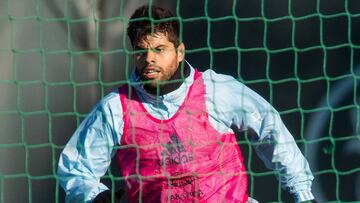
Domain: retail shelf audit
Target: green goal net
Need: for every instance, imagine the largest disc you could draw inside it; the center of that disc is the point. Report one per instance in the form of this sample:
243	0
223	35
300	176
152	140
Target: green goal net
58	58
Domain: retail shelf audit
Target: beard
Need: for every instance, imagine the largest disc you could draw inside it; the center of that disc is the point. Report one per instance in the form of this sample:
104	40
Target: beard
151	85
165	82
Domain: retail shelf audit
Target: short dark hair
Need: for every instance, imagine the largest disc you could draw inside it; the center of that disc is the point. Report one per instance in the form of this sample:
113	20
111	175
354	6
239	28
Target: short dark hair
140	24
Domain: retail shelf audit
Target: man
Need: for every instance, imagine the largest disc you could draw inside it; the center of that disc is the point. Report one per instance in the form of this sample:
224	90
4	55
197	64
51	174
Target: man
172	130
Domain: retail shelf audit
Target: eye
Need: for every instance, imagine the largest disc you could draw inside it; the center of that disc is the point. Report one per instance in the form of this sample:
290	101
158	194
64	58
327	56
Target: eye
139	51
158	49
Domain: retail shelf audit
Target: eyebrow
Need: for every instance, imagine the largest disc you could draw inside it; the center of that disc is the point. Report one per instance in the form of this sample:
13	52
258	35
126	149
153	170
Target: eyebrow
137	47
160	46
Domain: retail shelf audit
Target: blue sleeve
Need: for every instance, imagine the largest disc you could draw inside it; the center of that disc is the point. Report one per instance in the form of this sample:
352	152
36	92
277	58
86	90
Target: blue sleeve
87	156
237	105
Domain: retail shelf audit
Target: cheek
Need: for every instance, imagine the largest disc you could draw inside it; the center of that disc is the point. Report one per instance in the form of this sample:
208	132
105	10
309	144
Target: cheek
138	60
169	65
137	67
173	66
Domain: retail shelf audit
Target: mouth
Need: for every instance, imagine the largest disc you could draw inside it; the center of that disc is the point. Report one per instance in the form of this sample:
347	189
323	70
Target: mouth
150	73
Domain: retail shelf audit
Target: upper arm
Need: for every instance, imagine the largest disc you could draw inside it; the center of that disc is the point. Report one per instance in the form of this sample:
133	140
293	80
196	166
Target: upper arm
87	155
234	104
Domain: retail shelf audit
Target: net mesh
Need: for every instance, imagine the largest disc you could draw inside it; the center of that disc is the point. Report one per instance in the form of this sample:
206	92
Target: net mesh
57	58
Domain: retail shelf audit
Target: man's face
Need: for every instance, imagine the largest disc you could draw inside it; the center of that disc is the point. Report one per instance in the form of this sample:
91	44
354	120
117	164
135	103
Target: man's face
157	59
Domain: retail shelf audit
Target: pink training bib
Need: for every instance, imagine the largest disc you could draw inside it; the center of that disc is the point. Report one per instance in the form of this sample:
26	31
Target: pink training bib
182	159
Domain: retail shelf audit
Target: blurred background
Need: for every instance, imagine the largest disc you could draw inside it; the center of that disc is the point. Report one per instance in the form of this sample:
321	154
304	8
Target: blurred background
58	58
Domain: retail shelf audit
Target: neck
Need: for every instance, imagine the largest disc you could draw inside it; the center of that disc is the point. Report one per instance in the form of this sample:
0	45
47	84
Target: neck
174	82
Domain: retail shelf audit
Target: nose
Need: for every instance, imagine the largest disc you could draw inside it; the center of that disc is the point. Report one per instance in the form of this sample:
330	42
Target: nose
150	56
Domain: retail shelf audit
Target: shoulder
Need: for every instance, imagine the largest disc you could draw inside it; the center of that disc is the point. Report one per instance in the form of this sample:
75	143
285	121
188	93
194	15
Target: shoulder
109	105
221	90
230	92
210	75
110	100
221	83
107	112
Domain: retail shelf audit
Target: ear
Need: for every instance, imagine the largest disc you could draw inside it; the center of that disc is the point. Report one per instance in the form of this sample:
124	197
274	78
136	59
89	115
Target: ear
181	52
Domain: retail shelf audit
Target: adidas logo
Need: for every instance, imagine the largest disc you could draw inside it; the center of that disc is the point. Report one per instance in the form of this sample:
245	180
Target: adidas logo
174	153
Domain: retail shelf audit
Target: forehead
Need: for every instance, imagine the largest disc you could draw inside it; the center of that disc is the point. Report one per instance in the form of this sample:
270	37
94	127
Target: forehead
154	39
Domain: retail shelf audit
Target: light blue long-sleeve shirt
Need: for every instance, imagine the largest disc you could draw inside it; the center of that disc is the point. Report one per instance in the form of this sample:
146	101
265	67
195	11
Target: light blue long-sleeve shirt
87	156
